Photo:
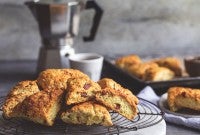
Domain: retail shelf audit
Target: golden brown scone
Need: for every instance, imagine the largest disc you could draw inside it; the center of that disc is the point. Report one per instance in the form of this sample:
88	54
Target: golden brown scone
41	107
88	113
57	78
172	63
139	70
81	90
107	82
158	74
128	60
18	93
181	97
118	102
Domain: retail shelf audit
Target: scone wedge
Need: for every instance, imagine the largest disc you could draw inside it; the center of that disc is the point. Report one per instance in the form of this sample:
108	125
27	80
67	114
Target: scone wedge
18	93
81	90
158	74
139	70
41	107
172	63
87	113
57	78
182	97
110	83
126	61
118	102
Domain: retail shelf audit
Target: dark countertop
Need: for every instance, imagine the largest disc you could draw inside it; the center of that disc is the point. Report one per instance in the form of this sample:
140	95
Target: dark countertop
12	72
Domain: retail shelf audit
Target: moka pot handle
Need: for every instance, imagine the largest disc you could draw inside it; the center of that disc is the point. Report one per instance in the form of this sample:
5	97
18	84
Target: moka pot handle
96	20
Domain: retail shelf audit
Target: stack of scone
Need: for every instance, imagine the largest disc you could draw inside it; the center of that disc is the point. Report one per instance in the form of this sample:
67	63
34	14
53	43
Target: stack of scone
155	70
70	95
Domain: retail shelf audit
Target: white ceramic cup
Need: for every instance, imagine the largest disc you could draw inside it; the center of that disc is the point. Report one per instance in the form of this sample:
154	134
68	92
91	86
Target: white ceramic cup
89	63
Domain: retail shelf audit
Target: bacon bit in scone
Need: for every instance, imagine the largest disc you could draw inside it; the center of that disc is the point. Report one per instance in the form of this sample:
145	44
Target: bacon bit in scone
83	94
104	93
183	94
118	106
87	86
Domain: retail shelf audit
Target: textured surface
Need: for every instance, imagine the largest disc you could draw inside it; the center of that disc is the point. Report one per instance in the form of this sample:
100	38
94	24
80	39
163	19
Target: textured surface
17	95
183	97
57	78
156	28
87	113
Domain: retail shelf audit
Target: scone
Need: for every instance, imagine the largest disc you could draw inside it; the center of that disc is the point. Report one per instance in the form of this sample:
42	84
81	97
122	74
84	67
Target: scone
41	107
181	97
81	90
57	78
19	92
158	74
172	63
107	82
128	60
139	70
118	102
87	113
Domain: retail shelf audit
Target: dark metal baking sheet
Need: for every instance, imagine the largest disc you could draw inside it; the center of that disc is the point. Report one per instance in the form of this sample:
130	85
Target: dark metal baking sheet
135	84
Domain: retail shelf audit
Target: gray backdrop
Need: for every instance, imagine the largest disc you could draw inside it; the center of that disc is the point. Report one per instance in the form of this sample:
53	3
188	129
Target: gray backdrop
145	27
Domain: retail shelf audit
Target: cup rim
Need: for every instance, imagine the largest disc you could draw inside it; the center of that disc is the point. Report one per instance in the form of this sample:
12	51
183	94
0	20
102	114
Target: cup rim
76	57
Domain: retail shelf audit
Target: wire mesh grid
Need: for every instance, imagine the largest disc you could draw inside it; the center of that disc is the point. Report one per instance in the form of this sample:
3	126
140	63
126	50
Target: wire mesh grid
148	115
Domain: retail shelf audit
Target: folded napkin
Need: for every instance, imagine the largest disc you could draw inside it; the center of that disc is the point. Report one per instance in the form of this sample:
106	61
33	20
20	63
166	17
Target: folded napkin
149	94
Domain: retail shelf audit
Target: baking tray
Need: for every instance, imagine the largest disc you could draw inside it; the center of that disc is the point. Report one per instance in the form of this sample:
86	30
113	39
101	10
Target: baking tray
133	83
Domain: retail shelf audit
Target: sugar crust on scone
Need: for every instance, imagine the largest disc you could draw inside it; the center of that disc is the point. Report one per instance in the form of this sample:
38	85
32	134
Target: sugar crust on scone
126	61
110	83
41	107
118	102
139	70
18	93
182	97
158	74
81	90
172	63
57	78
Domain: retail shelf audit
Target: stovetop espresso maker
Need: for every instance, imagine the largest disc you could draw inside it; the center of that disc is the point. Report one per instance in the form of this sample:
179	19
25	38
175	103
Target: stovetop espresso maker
58	22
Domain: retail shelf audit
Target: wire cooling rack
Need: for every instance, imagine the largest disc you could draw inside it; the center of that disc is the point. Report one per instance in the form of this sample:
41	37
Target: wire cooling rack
148	115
